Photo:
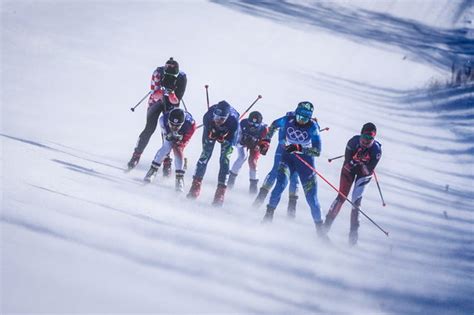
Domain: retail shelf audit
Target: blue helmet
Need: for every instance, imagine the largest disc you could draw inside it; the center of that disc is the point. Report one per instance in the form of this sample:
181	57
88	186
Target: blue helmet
221	112
304	112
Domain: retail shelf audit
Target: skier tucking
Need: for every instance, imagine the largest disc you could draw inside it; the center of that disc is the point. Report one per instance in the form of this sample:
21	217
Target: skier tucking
300	137
250	145
221	124
177	128
270	179
362	154
168	85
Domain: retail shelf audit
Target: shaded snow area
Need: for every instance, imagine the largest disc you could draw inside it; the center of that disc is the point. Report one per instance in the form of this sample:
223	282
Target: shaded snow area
79	235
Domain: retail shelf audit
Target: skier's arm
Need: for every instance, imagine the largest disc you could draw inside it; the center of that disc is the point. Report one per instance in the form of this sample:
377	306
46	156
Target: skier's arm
276	124
350	148
233	133
155	86
181	85
190	128
315	149
375	156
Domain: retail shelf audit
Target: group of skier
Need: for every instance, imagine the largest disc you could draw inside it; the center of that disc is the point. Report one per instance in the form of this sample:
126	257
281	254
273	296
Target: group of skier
298	144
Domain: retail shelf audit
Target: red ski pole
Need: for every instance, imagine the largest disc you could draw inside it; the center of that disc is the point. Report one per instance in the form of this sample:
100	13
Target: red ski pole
251	105
345	197
380	190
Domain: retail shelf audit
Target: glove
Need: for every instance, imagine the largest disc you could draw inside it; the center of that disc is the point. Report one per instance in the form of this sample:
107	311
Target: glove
263	146
293	148
213	134
174	137
221	138
349	166
364	170
173	98
157	95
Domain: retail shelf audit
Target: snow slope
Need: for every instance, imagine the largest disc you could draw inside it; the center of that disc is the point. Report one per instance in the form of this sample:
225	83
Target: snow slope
81	236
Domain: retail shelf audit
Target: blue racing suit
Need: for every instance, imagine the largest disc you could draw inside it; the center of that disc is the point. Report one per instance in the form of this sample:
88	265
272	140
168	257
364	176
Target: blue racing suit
226	134
272	175
307	136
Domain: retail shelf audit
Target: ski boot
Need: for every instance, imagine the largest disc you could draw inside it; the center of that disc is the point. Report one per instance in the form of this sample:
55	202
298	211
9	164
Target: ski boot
179	184
353	237
134	160
195	188
253	188
327	223
268	217
167	166
219	195
151	174
321	231
231	181
353	234
262	194
291	212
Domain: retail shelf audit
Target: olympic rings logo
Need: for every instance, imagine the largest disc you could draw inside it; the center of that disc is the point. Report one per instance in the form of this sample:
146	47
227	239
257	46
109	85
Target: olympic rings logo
296	134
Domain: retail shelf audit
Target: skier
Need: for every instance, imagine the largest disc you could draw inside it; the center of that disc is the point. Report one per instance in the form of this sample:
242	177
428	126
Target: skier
221	124
168	85
301	136
272	175
250	145
362	154
177	127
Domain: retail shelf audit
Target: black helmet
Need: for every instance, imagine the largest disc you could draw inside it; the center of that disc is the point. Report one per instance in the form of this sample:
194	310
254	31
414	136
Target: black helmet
172	67
369	128
176	119
255	117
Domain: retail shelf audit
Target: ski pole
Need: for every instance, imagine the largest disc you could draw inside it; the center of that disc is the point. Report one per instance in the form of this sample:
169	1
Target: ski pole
207	95
335	158
146	95
184	104
324	129
353	204
380	190
258	97
251	105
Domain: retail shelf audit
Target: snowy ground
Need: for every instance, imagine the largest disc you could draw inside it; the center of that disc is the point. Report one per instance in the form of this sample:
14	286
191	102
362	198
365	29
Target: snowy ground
81	236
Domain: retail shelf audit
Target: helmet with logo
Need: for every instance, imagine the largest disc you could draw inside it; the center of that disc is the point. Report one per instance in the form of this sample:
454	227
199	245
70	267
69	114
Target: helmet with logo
304	112
367	135
221	112
176	119
255	119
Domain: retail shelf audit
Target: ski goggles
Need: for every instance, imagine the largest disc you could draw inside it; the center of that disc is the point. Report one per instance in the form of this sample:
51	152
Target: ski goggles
253	124
174	127
171	70
175	75
367	136
303	115
219	116
366	140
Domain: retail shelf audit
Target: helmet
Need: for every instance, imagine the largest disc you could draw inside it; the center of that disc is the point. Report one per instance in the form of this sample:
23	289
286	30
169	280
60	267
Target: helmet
176	119
221	112
255	119
172	67
369	128
303	112
368	133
